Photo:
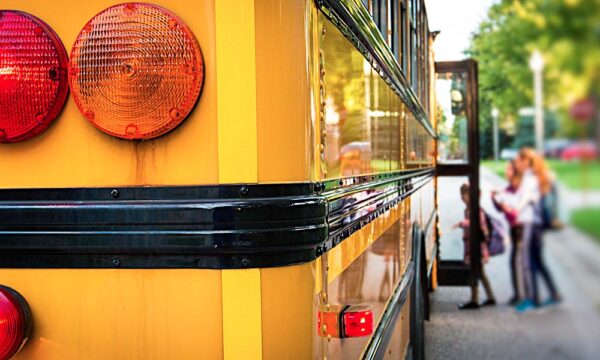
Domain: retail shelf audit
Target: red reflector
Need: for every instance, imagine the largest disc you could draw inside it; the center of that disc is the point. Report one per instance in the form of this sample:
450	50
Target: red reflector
358	321
15	322
344	321
33	76
136	71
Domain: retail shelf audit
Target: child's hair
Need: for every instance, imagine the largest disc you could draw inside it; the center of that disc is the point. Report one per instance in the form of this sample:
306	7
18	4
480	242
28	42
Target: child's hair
517	176
464	189
538	166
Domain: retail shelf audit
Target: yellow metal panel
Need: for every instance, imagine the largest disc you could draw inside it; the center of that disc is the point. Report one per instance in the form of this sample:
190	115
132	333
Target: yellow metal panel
282	90
242	332
72	146
287	311
341	256
100	314
236	90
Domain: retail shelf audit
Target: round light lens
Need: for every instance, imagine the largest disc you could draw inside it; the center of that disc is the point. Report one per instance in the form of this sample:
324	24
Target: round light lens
15	322
136	71
33	76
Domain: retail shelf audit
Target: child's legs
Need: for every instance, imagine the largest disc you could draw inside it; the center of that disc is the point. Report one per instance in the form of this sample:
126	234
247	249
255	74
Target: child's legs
475	293
489	293
526	265
515	273
540	265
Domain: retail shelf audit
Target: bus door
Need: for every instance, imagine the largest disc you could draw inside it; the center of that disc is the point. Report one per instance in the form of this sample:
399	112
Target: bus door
457	172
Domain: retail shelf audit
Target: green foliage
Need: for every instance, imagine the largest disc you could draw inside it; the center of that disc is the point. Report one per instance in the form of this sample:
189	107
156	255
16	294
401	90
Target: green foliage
567	32
525	129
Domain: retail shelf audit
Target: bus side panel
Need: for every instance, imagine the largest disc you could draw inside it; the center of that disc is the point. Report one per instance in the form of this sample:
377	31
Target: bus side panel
365	269
283	105
121	314
288	325
400	338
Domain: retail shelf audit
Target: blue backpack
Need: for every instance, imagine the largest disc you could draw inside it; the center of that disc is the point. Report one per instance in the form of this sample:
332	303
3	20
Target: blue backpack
497	235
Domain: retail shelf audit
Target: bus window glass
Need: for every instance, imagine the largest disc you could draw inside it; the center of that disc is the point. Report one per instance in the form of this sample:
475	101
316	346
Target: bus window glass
394	24
452	118
349	107
403	38
382	18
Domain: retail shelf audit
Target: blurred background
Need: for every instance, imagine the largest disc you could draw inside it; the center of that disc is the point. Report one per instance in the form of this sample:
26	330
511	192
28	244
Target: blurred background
539	68
539	87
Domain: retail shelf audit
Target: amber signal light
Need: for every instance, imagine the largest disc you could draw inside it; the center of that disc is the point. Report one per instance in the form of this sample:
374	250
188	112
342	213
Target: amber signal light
136	71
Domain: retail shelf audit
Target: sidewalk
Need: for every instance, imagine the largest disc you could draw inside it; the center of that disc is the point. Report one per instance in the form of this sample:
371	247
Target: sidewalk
571	200
568	331
574	199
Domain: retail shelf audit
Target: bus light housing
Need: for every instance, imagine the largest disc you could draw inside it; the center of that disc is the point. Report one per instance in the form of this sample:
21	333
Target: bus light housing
33	76
136	71
358	321
15	322
345	321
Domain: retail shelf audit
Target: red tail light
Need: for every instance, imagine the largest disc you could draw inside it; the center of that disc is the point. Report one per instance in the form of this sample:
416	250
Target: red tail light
33	76
15	322
358	321
345	321
136	71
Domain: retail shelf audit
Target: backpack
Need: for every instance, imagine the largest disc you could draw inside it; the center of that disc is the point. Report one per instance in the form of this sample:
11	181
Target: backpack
496	236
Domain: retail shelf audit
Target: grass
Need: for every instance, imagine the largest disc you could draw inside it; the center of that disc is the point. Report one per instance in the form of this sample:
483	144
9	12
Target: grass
573	175
586	220
496	167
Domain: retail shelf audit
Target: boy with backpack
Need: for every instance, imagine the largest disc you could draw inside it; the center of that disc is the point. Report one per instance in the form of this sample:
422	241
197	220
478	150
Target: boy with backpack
485	233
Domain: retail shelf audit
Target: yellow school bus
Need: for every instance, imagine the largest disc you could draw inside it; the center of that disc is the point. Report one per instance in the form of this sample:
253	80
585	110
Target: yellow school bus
215	179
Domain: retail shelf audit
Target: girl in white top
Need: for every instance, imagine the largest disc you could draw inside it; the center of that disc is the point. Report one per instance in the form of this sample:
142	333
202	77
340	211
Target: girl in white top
528	205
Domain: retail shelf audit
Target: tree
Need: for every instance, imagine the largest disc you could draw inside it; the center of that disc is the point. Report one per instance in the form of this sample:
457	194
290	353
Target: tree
565	31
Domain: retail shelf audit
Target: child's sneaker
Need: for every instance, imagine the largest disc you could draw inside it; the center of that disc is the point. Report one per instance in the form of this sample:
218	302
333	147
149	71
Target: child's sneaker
488	302
524	306
514	301
471	305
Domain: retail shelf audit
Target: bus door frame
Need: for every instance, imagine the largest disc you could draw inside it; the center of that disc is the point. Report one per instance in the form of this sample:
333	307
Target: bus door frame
456	272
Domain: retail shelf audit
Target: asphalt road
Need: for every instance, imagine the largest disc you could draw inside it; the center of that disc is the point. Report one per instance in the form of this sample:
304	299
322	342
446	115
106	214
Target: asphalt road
570	330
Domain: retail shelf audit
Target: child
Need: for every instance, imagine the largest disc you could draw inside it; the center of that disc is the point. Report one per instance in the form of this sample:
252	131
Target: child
464	225
505	202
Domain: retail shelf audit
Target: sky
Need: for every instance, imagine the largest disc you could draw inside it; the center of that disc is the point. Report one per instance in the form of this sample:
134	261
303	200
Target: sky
456	19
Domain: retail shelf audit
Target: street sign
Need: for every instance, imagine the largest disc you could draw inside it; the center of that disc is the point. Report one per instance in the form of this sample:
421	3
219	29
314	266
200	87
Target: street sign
583	110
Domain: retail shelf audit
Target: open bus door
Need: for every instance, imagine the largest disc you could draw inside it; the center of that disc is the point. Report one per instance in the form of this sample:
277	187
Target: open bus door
457	164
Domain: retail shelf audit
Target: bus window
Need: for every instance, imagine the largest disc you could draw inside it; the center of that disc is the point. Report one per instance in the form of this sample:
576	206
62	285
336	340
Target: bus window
366	4
395	30
403	37
414	45
380	16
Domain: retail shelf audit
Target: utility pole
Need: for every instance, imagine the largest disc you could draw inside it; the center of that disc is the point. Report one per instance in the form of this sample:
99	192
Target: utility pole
536	63
495	114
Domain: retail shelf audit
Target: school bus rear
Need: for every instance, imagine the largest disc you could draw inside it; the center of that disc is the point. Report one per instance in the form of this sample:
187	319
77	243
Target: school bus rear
183	204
